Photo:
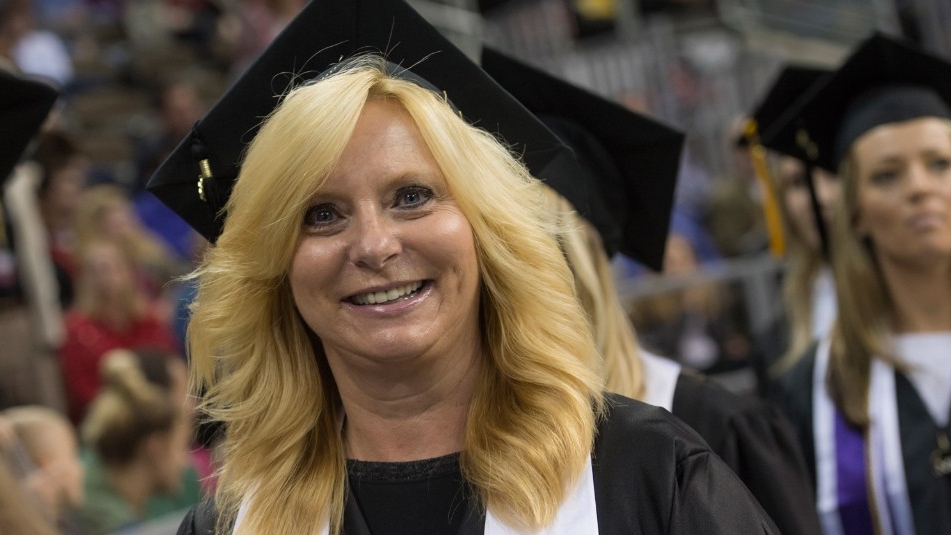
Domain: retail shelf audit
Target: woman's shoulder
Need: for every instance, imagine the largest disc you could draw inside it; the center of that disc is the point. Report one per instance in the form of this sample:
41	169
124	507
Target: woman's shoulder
200	520
644	439
654	474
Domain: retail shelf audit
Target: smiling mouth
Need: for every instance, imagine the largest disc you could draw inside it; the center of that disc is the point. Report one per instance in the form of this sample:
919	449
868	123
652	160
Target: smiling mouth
393	294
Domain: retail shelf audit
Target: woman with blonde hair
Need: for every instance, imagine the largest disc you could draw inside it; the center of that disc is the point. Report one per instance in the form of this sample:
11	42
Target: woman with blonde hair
871	402
111	312
754	439
106	211
385	327
804	205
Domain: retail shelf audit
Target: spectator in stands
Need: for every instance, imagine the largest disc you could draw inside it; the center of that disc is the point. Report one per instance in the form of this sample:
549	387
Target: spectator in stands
55	477
106	211
64	169
140	438
111	312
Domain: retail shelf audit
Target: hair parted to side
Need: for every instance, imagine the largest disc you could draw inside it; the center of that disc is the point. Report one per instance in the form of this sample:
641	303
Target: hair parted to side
531	423
594	282
128	410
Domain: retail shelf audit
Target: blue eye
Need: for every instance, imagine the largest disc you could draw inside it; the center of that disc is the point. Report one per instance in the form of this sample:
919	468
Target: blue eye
320	215
413	196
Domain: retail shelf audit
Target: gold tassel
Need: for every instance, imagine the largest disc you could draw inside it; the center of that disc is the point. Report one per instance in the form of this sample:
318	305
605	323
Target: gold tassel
205	168
774	223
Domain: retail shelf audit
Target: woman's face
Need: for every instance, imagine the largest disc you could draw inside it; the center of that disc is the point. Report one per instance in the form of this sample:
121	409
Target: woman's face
66	187
795	196
904	190
107	270
386	269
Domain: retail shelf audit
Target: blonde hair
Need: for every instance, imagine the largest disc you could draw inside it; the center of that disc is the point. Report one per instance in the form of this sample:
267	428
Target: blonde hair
531	422
594	282
127	410
147	251
803	264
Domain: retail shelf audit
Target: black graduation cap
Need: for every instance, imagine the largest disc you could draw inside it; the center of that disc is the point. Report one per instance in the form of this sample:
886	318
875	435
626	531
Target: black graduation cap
629	162
322	34
24	105
884	80
791	83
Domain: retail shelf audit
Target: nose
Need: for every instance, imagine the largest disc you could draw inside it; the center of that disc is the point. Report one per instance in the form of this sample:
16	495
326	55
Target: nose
375	240
919	181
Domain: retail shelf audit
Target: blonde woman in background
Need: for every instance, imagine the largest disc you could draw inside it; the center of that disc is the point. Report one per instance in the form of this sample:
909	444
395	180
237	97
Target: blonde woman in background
808	286
402	351
111	312
106	212
808	290
872	401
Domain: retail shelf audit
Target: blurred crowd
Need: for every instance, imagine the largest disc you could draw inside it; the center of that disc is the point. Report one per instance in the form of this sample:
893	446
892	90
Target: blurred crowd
96	426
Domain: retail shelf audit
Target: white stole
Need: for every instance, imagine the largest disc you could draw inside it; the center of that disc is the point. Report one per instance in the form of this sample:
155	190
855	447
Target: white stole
660	379
577	514
885	463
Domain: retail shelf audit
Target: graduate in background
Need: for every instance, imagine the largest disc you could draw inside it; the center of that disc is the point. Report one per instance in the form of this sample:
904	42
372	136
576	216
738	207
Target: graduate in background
625	161
799	212
871	402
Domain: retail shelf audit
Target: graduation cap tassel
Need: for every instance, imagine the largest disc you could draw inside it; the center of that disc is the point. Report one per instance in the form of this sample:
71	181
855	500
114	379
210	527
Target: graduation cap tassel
200	154
812	154
774	224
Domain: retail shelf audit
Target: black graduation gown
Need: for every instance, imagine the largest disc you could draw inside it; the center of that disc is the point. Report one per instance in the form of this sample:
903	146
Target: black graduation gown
929	495
652	475
757	441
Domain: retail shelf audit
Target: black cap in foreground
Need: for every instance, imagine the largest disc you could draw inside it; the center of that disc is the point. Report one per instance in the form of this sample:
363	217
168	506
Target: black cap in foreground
629	163
324	33
883	81
24	105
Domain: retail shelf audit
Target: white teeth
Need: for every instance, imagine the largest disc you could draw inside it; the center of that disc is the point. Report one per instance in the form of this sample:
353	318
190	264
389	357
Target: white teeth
374	298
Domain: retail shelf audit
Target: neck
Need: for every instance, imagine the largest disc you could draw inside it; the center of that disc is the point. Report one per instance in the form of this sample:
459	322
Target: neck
133	484
921	296
416	411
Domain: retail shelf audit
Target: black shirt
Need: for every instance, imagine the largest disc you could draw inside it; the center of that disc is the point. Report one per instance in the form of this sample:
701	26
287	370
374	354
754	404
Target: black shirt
427	496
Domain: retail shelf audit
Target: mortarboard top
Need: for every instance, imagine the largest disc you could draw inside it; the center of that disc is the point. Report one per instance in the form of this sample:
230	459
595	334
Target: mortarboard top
791	83
322	34
629	161
24	105
884	80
